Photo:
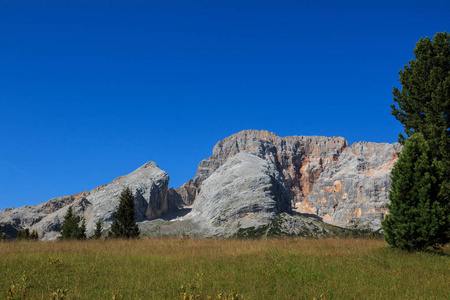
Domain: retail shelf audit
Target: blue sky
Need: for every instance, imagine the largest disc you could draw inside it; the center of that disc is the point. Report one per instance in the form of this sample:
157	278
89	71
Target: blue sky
91	90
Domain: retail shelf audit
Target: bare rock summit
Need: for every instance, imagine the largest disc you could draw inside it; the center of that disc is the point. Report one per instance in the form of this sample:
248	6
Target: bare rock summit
340	184
299	159
246	191
149	185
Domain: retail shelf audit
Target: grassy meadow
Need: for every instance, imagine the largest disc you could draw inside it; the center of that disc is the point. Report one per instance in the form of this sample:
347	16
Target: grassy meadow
220	269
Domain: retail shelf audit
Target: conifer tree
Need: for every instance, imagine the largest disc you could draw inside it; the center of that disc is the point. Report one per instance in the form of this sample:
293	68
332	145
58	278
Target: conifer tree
98	230
34	235
23	234
419	216
26	234
69	229
424	99
82	230
124	225
420	206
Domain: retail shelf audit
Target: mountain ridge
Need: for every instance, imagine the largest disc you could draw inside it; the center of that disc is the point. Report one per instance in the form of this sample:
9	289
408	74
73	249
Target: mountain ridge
341	184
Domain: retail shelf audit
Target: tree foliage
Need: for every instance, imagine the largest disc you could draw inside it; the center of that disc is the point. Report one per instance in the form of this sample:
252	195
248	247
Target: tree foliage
98	229
70	229
124	225
82	230
26	234
418	214
419	210
424	99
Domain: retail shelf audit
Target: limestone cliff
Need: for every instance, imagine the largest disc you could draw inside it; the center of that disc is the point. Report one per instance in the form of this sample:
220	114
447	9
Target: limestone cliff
346	186
246	191
353	191
299	159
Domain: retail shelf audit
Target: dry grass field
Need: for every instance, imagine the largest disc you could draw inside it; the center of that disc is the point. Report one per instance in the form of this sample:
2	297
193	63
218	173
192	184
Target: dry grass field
220	269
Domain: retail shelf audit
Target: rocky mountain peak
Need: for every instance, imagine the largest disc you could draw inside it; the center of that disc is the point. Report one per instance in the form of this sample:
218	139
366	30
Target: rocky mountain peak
149	165
149	185
300	159
246	191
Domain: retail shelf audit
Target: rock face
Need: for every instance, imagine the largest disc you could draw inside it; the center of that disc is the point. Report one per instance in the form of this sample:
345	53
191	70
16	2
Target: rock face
299	159
353	191
345	186
246	191
29	216
149	185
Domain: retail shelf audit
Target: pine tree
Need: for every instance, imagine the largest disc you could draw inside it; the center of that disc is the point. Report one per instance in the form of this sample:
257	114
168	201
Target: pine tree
424	109
34	235
69	229
424	99
419	215
26	234
82	230
98	230
23	234
124	225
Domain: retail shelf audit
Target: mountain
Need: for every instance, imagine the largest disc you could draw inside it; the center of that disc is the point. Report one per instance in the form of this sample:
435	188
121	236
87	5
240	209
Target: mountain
149	185
251	178
340	184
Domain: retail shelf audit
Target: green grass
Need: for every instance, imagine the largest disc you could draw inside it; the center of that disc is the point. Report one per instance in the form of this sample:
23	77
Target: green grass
255	269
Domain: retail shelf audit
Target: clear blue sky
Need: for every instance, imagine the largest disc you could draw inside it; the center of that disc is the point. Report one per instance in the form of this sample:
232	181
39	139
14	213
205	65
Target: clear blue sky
91	90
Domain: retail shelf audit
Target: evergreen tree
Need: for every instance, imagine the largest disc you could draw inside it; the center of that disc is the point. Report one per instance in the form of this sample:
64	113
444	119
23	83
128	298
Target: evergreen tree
82	230
419	215
1	231
69	229
124	225
34	235
23	234
98	229
424	99
26	234
424	109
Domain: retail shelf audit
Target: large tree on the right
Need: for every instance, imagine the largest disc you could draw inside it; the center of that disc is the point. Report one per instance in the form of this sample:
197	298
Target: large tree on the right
424	99
419	213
